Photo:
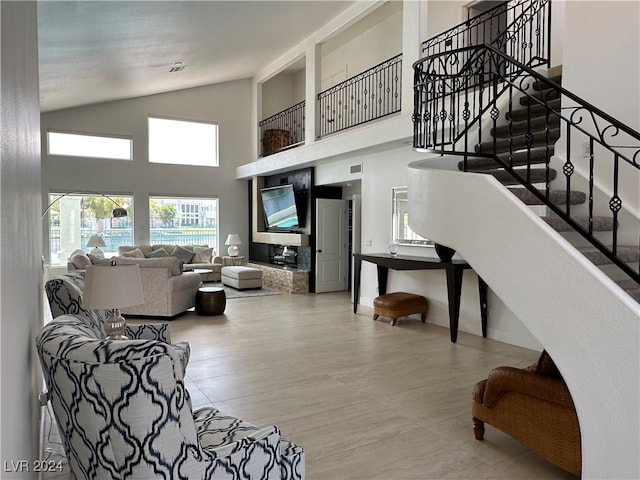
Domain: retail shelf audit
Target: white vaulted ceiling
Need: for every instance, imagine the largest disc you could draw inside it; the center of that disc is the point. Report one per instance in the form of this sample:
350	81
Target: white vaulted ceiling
96	51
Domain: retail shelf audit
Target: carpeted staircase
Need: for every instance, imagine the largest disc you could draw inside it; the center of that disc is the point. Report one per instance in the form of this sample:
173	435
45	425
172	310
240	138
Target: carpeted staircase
526	152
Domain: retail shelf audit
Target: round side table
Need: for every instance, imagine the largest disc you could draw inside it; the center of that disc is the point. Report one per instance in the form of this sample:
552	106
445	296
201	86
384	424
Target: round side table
210	301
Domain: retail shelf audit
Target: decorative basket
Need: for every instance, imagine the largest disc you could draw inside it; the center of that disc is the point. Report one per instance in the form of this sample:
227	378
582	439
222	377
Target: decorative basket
275	140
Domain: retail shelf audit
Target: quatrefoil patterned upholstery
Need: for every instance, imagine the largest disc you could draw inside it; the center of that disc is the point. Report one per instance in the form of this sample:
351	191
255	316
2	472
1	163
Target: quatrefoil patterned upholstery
123	412
64	293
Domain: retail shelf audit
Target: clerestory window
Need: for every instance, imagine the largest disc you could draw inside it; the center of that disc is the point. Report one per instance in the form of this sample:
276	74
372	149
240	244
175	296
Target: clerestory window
183	142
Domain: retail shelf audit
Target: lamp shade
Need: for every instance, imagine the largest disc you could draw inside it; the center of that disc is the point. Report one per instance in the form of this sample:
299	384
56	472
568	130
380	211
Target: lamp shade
233	239
112	286
96	241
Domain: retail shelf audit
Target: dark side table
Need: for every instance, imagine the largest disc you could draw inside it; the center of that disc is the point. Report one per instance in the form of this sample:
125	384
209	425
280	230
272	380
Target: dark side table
453	268
210	301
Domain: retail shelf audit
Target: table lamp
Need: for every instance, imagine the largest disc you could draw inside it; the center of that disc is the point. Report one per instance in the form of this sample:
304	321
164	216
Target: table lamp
233	240
96	241
113	287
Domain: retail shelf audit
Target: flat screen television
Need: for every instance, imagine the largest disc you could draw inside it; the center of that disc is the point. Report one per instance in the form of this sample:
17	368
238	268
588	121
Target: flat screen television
280	211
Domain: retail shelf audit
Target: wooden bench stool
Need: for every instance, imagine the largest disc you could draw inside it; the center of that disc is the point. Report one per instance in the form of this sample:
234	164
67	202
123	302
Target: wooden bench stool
398	304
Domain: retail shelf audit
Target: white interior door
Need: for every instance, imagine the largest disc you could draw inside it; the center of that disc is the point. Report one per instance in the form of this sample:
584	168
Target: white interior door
332	265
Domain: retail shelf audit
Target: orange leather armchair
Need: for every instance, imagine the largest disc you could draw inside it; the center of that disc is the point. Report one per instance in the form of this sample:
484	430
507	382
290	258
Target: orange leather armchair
534	406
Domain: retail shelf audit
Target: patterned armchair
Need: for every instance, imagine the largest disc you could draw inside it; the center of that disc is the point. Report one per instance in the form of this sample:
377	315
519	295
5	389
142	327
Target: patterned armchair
124	413
64	293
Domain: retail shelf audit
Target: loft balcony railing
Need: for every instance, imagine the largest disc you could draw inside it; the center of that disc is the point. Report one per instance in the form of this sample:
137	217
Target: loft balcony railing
461	95
283	130
520	30
368	96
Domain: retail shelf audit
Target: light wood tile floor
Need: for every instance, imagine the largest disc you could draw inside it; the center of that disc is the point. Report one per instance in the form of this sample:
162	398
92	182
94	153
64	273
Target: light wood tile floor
364	399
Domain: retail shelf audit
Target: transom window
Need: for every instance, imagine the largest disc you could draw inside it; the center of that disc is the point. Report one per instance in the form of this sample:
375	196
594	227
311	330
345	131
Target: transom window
183	142
89	145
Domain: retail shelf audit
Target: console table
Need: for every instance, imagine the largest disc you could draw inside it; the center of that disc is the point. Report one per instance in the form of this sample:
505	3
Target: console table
454	270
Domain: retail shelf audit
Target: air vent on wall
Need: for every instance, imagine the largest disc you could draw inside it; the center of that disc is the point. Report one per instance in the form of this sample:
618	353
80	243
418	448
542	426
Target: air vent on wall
356	168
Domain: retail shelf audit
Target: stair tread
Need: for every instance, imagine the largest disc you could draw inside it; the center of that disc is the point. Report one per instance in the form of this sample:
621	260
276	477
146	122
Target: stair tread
538	139
521	113
538	175
625	253
545	95
520	127
534	156
631	287
600	224
538	85
556	197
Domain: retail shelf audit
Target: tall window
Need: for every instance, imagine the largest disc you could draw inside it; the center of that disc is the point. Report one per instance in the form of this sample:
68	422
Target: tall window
184	221
88	145
74	218
183	142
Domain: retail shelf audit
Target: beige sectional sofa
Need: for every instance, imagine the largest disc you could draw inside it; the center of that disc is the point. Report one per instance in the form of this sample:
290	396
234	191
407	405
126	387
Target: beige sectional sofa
193	256
167	290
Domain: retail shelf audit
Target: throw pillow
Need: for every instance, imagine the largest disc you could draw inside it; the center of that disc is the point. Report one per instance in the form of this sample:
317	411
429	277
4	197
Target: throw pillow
172	263
159	253
80	260
135	253
202	254
96	258
101	260
182	254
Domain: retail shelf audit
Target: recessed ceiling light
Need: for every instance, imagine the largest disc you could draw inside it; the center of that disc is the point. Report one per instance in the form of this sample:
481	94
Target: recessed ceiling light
177	67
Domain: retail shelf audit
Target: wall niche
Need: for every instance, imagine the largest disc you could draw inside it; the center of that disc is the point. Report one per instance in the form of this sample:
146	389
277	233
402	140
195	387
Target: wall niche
262	243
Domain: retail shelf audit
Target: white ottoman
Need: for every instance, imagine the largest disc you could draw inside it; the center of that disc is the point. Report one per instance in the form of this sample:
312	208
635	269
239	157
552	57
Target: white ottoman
242	278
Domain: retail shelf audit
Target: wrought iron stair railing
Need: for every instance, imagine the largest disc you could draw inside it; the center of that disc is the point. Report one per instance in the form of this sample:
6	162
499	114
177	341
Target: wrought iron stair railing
522	30
460	97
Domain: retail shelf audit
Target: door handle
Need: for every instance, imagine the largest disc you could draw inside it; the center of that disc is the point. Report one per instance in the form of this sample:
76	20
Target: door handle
319	251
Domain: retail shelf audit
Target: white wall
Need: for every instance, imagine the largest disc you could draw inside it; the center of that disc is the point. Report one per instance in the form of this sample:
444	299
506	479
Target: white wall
557	31
381	172
601	64
20	249
443	15
612	47
368	48
586	323
228	104
281	92
299	86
